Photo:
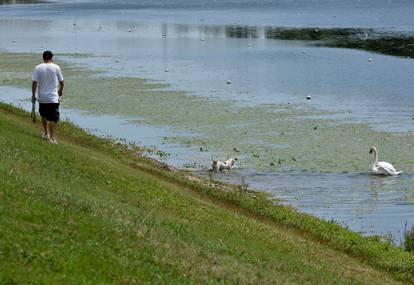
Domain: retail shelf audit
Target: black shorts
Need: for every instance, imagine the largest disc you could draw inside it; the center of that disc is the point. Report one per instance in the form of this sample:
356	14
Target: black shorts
50	111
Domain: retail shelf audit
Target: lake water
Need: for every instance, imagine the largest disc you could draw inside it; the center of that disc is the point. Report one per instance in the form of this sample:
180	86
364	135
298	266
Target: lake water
190	45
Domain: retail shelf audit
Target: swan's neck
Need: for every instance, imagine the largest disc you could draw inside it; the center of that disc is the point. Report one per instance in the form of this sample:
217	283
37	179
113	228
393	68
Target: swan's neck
375	156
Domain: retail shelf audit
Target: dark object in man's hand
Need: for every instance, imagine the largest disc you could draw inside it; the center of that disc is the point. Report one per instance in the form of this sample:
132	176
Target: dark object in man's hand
33	114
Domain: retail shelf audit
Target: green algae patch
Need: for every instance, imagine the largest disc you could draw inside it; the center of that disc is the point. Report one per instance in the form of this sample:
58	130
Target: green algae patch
389	43
16	68
269	140
271	137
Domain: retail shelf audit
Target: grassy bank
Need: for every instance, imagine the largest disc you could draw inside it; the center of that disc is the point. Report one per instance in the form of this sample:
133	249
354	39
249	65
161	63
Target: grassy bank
90	211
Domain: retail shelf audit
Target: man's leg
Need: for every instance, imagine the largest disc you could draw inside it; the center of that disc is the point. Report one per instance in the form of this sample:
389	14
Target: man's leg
52	130
44	125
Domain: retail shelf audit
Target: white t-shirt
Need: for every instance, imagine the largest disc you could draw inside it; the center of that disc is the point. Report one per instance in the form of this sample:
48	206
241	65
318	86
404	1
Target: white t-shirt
47	76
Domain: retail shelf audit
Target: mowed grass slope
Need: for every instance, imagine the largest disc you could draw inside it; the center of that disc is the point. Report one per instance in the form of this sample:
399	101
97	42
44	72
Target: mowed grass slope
86	212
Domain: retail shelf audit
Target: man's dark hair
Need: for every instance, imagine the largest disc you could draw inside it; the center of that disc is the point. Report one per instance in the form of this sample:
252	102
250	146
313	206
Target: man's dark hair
47	55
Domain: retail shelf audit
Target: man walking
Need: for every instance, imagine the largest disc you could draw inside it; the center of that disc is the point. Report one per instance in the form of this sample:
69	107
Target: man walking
45	79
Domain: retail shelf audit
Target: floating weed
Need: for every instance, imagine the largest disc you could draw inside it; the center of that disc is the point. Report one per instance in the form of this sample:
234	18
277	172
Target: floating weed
162	154
153	150
191	165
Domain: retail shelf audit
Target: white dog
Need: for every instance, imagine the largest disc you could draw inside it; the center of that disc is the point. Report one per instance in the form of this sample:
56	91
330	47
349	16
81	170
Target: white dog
221	165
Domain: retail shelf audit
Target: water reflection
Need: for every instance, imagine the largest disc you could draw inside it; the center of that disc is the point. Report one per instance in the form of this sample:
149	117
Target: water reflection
382	182
241	32
396	44
9	25
389	43
16	2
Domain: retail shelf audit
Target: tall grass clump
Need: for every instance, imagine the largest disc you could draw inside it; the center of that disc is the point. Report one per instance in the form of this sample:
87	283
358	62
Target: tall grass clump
408	239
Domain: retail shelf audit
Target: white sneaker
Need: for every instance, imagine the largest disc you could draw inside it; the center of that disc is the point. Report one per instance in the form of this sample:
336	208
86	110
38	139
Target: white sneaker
53	141
45	136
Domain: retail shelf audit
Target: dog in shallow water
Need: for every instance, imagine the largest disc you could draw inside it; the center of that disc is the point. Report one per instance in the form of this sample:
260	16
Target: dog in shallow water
218	165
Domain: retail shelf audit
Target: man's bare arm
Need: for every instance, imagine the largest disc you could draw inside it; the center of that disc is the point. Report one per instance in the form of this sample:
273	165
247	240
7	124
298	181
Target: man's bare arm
34	87
61	85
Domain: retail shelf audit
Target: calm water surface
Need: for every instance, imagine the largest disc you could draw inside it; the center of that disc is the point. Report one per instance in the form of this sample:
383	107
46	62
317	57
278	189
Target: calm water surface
148	38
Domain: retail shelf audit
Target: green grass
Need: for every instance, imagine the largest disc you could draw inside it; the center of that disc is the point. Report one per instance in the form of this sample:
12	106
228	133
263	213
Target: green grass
91	211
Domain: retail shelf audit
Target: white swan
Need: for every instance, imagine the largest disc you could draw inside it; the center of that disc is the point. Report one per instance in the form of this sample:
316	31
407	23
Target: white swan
382	167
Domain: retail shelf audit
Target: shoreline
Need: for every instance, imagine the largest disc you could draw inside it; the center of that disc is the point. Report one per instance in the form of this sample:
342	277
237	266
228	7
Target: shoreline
285	119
